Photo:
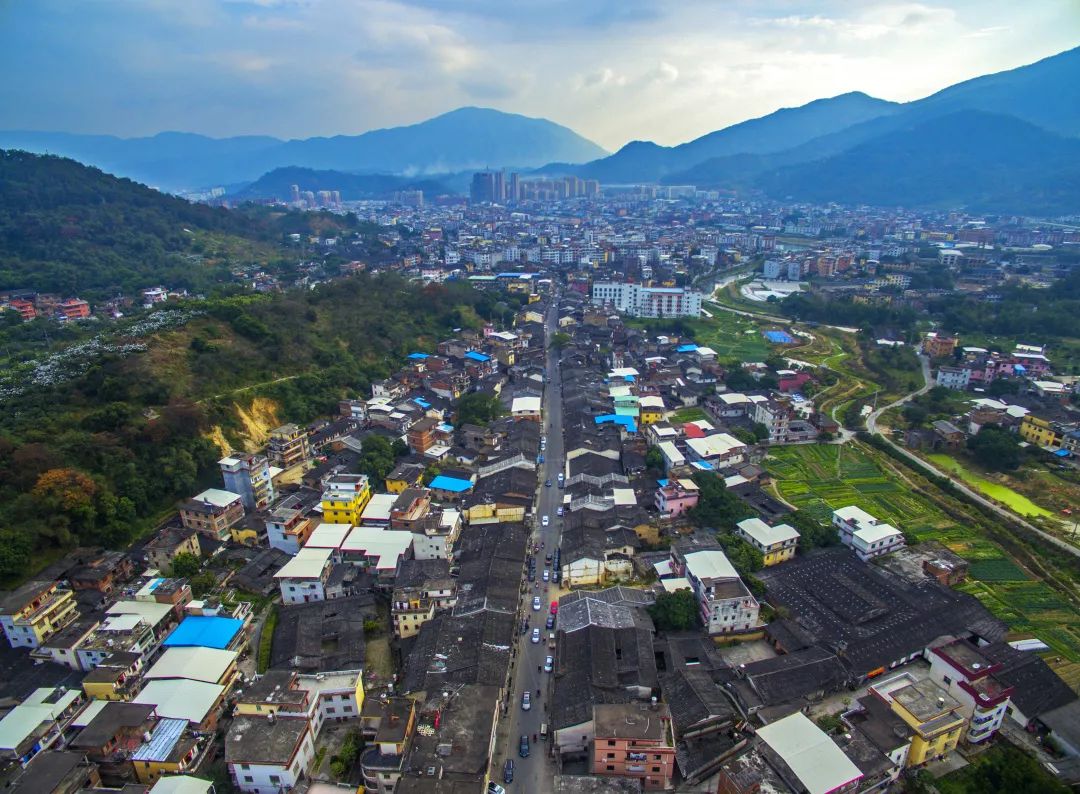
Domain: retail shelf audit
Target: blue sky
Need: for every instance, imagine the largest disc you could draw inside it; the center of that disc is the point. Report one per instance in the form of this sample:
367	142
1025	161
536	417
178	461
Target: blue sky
614	70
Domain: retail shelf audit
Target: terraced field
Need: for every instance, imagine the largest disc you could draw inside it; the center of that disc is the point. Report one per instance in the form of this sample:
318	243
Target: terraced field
822	478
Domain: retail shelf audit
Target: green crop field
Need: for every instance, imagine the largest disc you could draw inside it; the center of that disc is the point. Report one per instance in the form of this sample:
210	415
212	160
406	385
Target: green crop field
821	478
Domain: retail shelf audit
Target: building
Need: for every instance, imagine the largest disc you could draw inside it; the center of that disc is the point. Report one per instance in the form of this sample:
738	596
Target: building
959	668
170	750
250	476
865	535
651	409
34	612
37	723
634	740
957	378
288	446
776	414
381	764
213	512
162	549
304	577
288	525
345	497
806	758
776	544
404	475
641	301
421	435
266	755
675	497
725	605
934	716
937	346
73	309
526	408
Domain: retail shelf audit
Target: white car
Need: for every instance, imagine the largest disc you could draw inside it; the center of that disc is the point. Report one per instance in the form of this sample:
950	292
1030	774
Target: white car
547	575
536	605
526	701
559	511
549	664
545	521
536	636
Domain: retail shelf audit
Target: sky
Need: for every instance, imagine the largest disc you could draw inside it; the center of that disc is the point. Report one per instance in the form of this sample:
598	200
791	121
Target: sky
613	70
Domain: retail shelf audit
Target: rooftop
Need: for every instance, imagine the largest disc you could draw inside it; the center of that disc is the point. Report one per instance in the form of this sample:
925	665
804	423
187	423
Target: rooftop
632	721
195	663
181	698
204	630
257	740
811	755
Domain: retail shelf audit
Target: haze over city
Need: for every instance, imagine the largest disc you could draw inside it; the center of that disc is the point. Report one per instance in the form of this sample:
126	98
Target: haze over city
613	70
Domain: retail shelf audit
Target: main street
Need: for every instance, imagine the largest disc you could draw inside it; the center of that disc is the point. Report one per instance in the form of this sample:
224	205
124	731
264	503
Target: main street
535	773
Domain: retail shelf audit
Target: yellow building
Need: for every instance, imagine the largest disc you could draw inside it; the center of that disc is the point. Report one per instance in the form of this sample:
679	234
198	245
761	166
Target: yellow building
651	409
35	612
935	717
409	611
345	498
171	751
494	512
1039	432
776	544
404	475
244	535
110	683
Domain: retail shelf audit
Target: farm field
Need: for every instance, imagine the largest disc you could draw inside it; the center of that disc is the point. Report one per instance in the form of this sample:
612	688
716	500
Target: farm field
732	336
822	478
1001	493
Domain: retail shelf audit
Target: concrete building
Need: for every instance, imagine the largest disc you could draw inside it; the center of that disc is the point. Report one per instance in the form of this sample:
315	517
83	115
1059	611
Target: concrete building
640	301
959	668
865	535
776	544
34	612
212	512
288	446
250	476
725	605
634	740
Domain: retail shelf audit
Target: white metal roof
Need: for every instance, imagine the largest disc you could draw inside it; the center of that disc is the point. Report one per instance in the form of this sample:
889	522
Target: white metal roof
624	496
710	564
182	784
875	533
766	535
676	584
218	497
327	536
195	663
855	515
815	759
378	509
387	545
733	398
715	445
180	698
671	452
23	720
652	401
307	564
525	404
151	611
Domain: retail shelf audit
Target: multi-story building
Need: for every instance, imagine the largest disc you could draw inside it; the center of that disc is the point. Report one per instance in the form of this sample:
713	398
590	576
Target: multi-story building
248	475
34	612
724	603
381	764
73	309
776	414
935	717
266	755
937	346
1044	432
956	378
288	525
410	609
303	578
213	512
675	497
776	544
634	740
640	301
421	435
967	675
37	723
345	497
288	446
865	535
651	409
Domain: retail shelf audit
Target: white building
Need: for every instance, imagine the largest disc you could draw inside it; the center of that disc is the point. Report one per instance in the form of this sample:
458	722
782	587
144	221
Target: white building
719	449
968	676
640	301
864	534
724	603
268	755
776	544
772	269
956	378
815	760
303	578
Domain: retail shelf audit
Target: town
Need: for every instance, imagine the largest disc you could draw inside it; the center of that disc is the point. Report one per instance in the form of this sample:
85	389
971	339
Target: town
641	482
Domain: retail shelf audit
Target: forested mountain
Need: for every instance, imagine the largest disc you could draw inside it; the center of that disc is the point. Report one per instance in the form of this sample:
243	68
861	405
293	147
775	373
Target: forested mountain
74	230
464	139
278	183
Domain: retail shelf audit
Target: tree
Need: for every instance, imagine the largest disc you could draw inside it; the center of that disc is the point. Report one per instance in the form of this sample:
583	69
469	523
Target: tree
746	559
654	459
812	533
560	340
717	507
676	611
995	449
376	457
202	584
478	409
185	565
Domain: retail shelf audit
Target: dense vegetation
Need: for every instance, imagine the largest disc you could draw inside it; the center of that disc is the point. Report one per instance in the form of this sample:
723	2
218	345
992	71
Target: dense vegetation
73	230
96	455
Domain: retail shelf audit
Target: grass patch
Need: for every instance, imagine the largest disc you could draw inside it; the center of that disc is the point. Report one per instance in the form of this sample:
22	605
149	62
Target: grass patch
266	640
1016	502
997	569
689	414
379	659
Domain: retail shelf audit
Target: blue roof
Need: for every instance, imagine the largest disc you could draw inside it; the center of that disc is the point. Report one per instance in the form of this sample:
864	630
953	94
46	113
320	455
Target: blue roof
1019	368
421	402
511	274
446	427
205	631
701	464
418	356
452	484
1062	453
686	348
626	421
662	483
629	378
477	356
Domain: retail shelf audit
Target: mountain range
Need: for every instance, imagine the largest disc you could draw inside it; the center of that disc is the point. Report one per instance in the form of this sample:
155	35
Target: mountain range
1023	124
465	139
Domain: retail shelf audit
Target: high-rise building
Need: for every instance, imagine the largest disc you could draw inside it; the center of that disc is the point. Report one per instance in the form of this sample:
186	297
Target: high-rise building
514	193
500	187
248	475
482	190
294	194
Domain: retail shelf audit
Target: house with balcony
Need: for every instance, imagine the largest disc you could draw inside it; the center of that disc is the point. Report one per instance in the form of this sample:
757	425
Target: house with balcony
303	578
37	723
934	716
288	446
289	524
676	496
865	535
381	764
213	513
725	605
110	734
162	549
345	497
776	544
634	740
251	476
171	749
960	669
35	611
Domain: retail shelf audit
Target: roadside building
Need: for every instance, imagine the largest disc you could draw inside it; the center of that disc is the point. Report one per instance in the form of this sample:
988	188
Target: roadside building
776	544
634	740
31	614
212	512
288	446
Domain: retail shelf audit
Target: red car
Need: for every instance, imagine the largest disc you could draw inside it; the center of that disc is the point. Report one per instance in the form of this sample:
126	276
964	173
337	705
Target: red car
554	607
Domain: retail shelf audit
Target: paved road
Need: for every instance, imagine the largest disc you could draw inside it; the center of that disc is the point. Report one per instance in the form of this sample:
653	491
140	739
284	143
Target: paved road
872	426
535	773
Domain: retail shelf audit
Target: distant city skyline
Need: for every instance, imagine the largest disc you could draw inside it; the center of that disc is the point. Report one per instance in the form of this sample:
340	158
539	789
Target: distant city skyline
612	70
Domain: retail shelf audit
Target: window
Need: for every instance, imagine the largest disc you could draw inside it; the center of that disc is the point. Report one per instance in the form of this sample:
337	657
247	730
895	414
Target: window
946	679
346	709
656	769
656	758
610	743
275	780
249	779
611	755
610	768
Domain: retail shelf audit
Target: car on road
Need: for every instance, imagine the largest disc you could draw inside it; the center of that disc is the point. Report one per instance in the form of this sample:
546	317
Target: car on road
526	701
508	771
495	788
523	746
545	521
532	573
559	512
543	439
547	483
554	607
536	603
535	639
547	575
549	665
550	623
540	458
547	557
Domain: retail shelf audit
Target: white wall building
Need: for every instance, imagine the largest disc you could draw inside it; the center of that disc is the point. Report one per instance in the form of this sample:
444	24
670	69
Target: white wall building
640	301
864	534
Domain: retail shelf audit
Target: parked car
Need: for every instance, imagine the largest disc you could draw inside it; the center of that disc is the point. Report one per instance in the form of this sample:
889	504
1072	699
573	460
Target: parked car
535	639
523	746
526	701
550	624
508	771
545	521
547	575
547	483
549	665
495	788
559	511
536	603
554	607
